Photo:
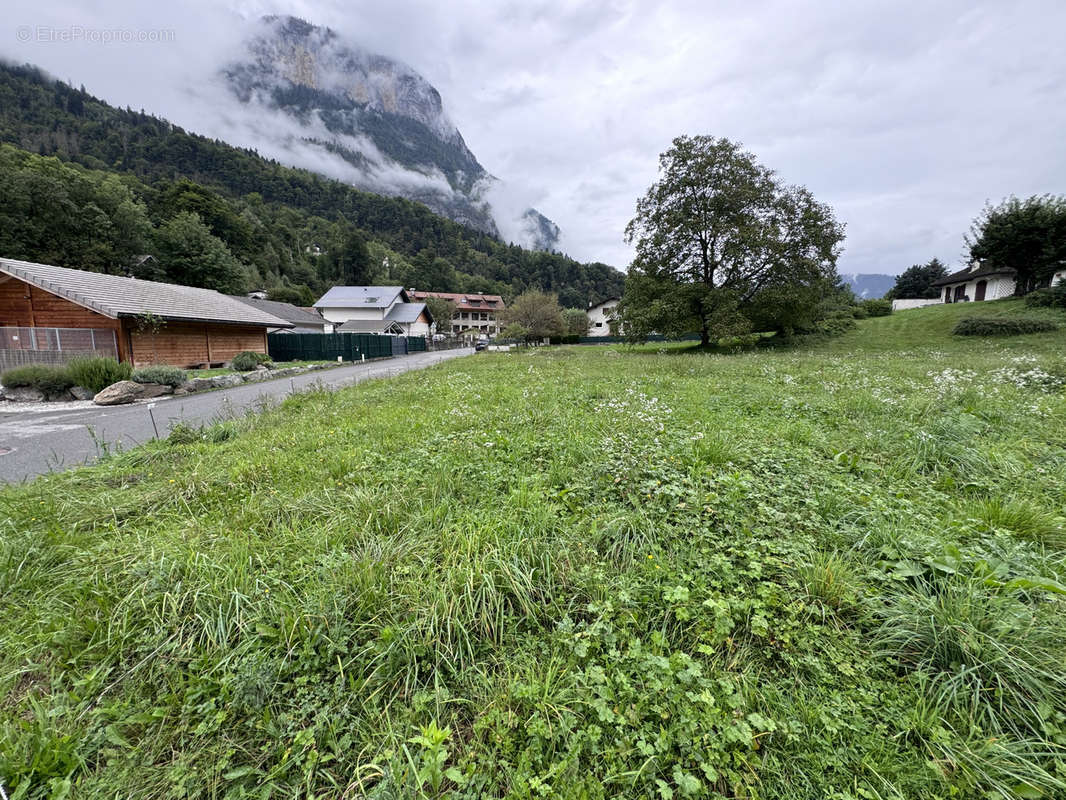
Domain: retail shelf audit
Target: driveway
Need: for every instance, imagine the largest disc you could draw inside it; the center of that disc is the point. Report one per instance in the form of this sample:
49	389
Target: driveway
54	437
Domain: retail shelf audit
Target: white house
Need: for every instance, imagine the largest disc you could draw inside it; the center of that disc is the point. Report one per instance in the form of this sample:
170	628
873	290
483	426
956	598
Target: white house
602	317
979	281
1058	276
374	309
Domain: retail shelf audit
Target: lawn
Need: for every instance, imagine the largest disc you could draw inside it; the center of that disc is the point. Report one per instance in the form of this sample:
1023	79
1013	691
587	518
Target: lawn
835	571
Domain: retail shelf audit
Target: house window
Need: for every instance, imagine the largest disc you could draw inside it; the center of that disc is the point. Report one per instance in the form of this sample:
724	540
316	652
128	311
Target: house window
599	324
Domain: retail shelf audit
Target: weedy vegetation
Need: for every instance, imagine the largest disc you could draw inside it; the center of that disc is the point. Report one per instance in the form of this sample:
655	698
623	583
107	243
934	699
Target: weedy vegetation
830	571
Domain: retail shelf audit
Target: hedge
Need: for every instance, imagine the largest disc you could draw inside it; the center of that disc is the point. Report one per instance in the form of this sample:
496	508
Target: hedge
1054	297
96	373
50	380
160	373
1001	326
876	308
248	360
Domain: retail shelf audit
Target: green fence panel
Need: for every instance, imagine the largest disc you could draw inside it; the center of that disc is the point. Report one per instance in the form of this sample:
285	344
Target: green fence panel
328	346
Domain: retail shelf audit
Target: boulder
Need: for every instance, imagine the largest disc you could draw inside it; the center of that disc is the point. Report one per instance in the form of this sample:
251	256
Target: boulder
256	376
81	393
24	394
197	384
260	367
118	393
155	389
285	372
226	381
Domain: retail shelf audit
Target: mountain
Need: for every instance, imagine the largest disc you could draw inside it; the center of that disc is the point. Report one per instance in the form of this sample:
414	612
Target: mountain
325	96
869	286
88	185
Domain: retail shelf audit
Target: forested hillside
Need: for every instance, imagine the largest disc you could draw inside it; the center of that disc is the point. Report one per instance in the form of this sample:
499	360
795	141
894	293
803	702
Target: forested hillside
124	183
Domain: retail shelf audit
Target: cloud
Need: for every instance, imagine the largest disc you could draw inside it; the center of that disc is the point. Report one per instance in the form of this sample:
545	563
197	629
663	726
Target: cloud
905	116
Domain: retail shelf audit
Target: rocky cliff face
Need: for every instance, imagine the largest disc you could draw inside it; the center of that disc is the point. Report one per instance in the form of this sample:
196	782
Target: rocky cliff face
381	117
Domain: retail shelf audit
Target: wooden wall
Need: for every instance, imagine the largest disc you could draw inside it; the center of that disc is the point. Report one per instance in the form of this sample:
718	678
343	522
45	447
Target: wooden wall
26	306
187	344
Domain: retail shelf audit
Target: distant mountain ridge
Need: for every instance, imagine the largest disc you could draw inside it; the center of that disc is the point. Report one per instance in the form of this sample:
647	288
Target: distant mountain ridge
377	114
870	286
268	213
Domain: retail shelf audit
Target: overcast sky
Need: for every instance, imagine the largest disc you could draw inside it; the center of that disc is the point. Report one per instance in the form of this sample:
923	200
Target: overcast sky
904	116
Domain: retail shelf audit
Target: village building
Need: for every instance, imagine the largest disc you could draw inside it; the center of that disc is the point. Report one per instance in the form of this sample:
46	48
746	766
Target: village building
58	311
601	316
374	309
977	282
476	314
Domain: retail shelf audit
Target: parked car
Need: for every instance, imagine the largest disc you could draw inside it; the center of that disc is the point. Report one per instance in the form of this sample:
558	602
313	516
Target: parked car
480	345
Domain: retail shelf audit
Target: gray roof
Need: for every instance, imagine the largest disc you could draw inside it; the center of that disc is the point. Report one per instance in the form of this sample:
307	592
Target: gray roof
984	270
365	326
116	296
360	297
407	312
287	311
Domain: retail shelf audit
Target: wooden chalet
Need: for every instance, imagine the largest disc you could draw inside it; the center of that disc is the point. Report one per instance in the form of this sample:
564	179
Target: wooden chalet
143	322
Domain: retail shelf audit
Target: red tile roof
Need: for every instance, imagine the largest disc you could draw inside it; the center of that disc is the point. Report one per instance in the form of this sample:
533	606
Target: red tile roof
465	301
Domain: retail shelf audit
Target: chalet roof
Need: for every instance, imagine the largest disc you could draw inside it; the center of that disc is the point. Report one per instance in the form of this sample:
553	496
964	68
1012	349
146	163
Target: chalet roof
984	270
360	297
117	296
468	301
367	326
604	302
407	312
287	311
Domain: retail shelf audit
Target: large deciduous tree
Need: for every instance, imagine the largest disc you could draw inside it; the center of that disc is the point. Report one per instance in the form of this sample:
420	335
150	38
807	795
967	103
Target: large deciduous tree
916	283
721	241
576	321
1028	236
536	313
443	312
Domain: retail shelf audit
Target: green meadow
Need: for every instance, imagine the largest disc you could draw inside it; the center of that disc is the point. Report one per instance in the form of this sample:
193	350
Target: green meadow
834	570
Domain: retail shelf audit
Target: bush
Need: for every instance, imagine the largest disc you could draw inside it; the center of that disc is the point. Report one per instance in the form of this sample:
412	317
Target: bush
95	373
247	361
1001	326
52	381
1055	297
859	312
877	308
835	323
168	376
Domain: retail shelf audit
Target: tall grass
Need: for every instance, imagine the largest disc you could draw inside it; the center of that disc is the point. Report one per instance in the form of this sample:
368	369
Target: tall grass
586	572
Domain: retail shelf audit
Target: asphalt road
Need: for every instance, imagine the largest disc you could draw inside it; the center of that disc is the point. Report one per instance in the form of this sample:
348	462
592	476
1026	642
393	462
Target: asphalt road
41	440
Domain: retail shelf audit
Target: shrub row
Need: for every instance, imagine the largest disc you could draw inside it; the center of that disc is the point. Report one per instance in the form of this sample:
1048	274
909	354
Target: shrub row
247	360
1001	326
1055	297
876	307
54	380
98	373
168	376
